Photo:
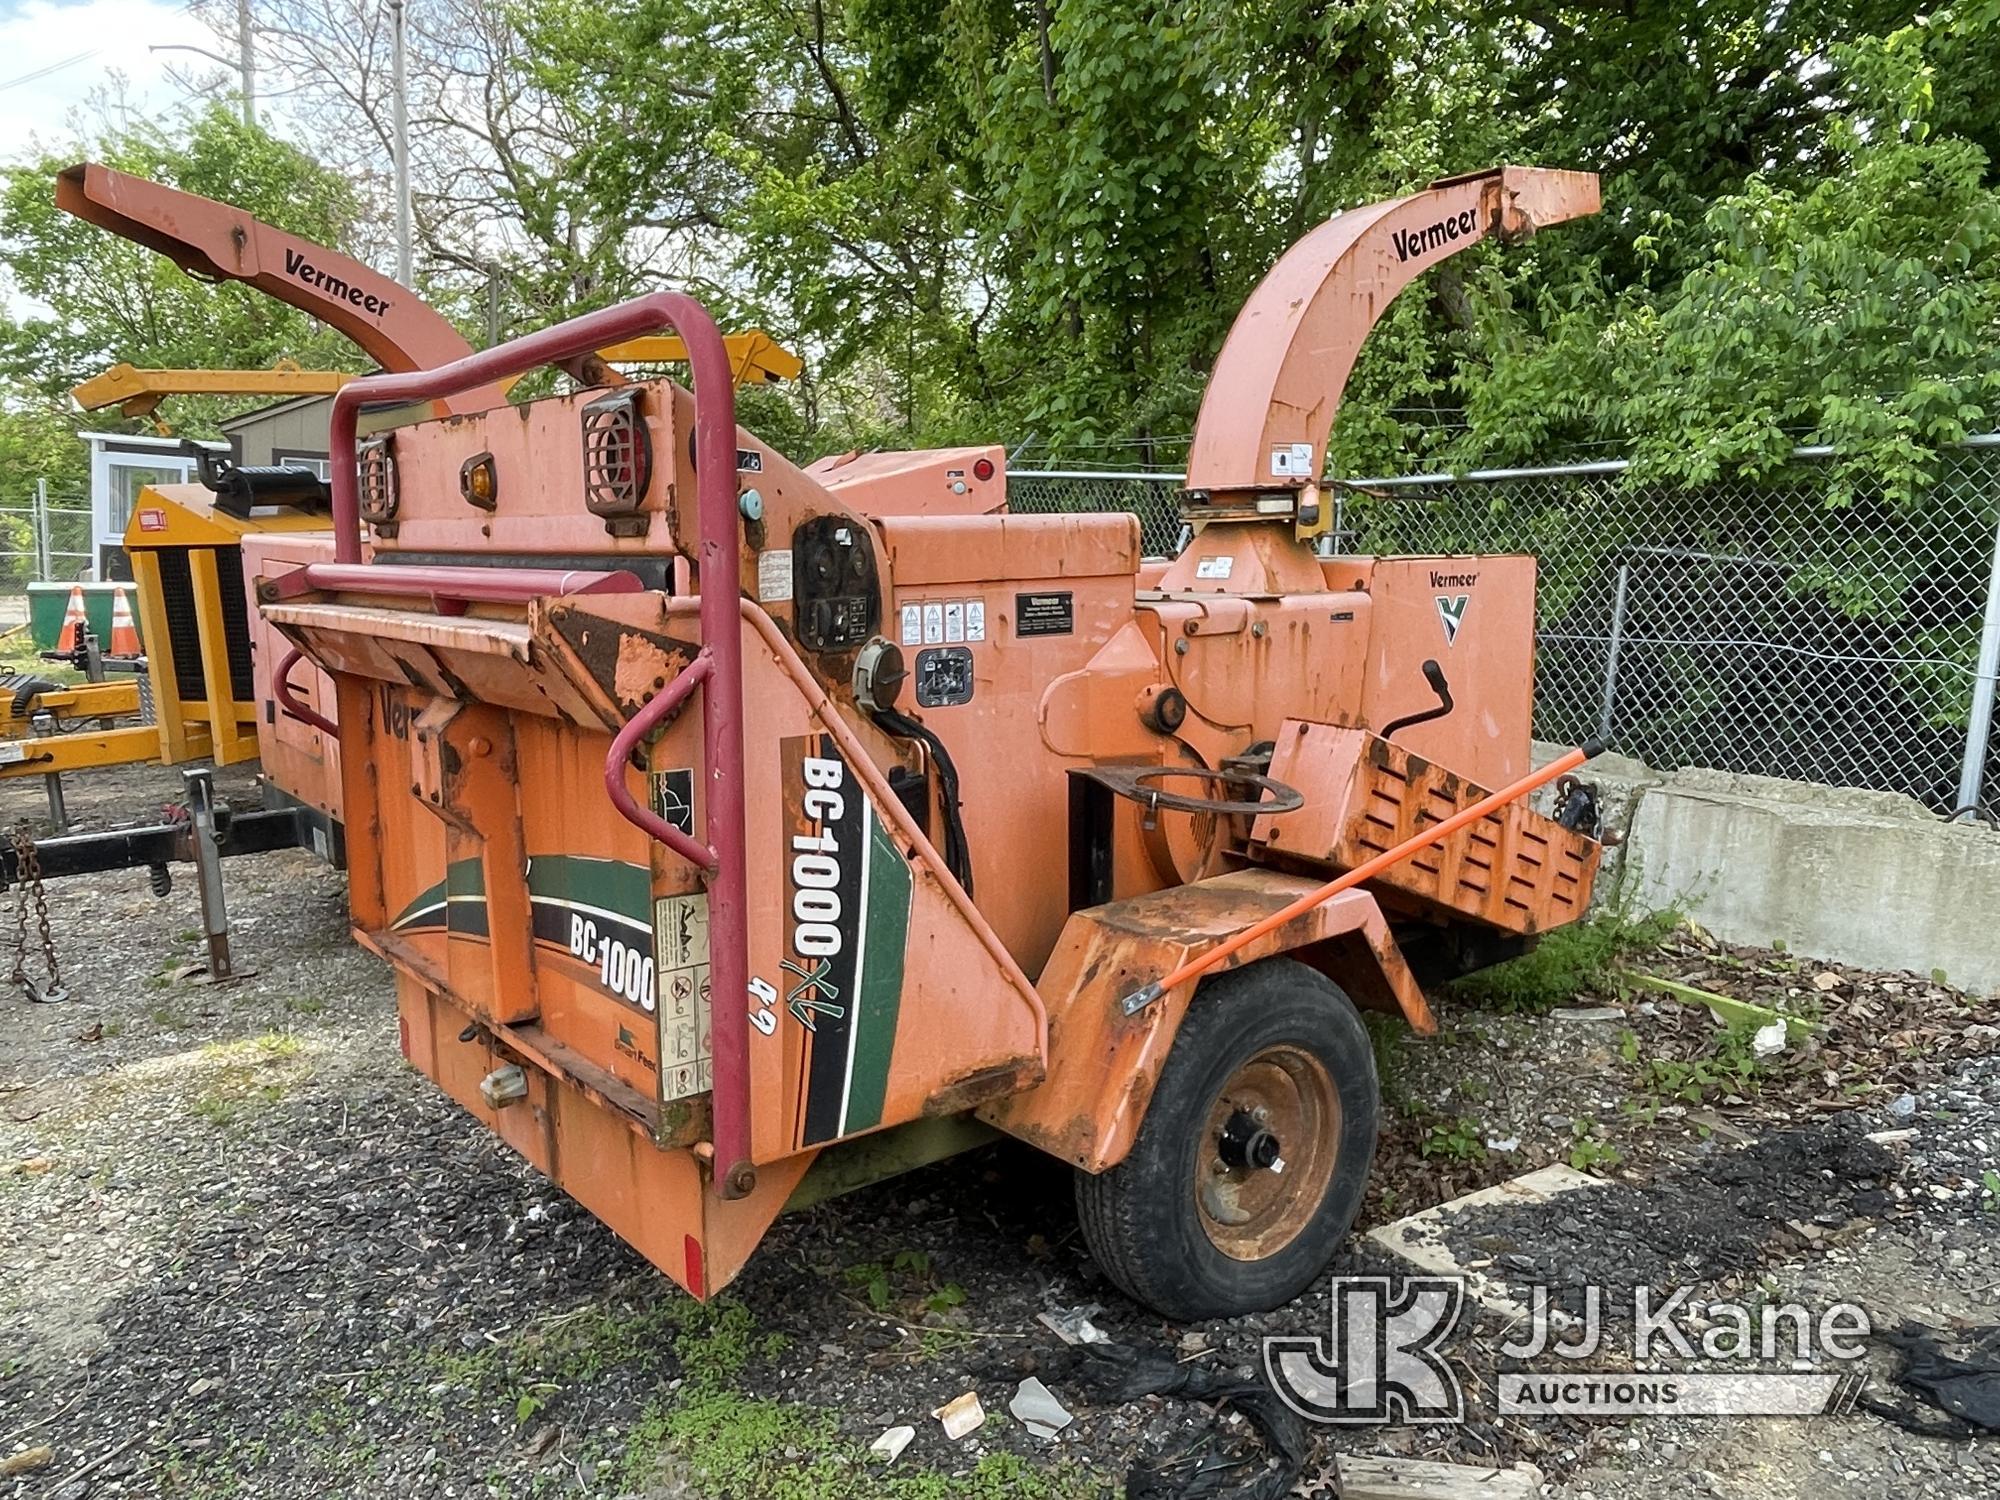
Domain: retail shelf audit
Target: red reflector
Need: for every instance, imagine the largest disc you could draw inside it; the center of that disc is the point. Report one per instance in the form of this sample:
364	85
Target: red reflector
403	1035
982	468
694	1277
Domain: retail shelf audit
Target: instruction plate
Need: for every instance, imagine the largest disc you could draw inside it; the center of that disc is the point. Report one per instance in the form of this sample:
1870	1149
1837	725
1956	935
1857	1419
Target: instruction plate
680	938
774	576
1045	614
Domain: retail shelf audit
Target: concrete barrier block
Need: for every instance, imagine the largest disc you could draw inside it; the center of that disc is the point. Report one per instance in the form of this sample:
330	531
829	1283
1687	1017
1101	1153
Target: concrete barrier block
1859	877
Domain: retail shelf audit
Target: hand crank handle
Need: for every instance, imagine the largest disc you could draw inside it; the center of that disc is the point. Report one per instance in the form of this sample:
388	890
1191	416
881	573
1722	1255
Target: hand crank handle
1434	675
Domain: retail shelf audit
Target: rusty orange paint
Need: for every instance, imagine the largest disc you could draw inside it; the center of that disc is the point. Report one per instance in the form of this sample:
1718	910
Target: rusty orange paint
1278	380
1103	1064
1513	869
532	927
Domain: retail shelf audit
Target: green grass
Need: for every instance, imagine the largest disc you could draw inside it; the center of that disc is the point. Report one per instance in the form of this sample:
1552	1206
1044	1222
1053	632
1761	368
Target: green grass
248	1074
727	1443
1726	1063
1580	959
733	1446
1458	1140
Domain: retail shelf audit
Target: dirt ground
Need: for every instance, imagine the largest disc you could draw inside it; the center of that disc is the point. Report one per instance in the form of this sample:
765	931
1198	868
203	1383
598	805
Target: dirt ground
248	1251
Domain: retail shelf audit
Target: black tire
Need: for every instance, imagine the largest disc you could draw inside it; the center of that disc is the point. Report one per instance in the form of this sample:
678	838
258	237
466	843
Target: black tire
1144	1219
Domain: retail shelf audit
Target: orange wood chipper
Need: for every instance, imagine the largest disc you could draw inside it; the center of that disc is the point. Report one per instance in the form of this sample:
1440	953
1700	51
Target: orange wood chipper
739	832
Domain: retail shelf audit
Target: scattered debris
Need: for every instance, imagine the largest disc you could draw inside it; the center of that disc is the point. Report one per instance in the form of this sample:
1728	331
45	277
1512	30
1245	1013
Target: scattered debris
960	1415
1714	1216
1411	1479
1769	1040
890	1445
1966	1386
27	1461
1114	1374
1588	1013
1073	1325
1727	1007
184	1232
544	1439
1035	1407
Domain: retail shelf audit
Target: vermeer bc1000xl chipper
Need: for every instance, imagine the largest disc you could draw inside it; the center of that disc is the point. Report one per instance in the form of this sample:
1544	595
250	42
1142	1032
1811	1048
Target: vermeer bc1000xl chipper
739	831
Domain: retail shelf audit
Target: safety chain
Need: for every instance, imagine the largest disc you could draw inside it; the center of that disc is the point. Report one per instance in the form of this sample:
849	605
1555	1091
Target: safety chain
28	870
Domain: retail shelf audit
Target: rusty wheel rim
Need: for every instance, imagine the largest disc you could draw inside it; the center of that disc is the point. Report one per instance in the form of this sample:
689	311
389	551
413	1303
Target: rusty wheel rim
1280	1107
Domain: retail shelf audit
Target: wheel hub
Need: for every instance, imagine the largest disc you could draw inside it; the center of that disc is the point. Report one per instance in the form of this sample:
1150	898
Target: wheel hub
1267	1153
1246	1144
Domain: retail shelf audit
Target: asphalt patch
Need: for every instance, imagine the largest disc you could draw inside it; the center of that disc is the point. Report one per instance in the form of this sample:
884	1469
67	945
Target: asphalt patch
1721	1215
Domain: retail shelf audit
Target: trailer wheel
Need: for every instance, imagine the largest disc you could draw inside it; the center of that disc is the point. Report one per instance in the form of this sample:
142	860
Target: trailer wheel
1249	1167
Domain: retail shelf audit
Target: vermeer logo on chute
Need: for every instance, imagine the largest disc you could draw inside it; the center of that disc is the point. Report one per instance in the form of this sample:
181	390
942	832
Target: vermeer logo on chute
336	287
1458	226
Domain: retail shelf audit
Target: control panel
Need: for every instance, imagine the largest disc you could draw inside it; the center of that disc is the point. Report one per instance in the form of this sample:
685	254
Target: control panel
944	677
839	599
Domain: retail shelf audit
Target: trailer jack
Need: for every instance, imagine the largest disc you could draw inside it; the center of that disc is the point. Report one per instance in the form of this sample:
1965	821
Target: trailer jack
202	832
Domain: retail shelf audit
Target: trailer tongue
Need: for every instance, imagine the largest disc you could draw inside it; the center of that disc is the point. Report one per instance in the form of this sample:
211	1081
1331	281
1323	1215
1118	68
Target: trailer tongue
671	768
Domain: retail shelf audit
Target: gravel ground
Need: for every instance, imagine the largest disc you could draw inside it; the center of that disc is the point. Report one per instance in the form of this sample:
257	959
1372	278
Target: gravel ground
250	1252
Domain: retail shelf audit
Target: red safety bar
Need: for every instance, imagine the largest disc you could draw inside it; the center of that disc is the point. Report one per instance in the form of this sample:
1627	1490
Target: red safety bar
289	700
455	585
717	669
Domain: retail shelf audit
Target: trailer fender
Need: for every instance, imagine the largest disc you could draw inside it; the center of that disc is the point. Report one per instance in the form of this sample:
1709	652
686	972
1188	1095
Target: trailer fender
1103	1064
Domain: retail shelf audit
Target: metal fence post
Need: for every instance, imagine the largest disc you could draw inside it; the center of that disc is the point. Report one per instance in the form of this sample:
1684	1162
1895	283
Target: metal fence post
1614	644
43	561
1979	725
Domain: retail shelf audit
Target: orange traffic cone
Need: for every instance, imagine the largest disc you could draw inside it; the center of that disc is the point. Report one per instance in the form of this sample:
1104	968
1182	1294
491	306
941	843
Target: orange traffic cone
75	621
124	629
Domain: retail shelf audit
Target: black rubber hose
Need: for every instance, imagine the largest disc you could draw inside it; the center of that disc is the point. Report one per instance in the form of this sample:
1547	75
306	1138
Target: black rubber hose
957	853
28	689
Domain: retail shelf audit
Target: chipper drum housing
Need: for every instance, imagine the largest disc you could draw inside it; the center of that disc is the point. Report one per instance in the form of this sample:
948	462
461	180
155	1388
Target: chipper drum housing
739	831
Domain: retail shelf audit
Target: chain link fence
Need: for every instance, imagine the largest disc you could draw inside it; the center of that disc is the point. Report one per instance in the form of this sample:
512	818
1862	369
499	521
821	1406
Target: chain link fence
45	540
1744	626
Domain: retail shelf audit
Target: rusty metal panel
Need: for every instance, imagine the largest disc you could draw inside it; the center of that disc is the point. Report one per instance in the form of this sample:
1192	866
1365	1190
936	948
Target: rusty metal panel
1104	1064
1515	869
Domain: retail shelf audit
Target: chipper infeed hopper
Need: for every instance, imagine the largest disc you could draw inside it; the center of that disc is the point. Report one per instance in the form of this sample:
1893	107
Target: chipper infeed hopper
739	831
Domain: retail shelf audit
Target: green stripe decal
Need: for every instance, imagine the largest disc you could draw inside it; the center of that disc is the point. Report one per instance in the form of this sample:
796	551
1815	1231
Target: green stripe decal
609	885
886	913
465	891
426	909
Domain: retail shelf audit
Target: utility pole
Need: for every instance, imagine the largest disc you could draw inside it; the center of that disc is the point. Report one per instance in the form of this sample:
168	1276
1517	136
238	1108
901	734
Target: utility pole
399	83
247	50
492	303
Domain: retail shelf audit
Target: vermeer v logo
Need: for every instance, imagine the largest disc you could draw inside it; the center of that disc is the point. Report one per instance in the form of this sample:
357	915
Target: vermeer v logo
1451	614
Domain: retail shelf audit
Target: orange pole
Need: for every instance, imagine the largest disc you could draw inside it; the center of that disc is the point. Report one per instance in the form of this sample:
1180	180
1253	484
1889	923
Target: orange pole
1195	967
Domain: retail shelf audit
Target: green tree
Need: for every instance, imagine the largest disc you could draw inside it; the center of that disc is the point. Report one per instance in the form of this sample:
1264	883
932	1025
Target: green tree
103	299
1857	306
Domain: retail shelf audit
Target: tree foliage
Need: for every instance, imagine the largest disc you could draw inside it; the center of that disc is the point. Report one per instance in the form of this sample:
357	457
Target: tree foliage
102	299
84	299
1033	220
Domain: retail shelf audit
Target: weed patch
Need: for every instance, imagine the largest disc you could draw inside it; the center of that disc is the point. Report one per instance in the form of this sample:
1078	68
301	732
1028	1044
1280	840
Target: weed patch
1582	958
246	1075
